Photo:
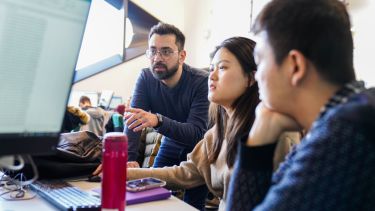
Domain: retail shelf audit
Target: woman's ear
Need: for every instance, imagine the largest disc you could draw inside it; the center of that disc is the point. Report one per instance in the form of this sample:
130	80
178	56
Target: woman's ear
297	68
251	79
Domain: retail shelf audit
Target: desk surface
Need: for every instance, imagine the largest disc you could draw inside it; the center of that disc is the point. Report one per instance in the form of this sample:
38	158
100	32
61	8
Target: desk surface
39	204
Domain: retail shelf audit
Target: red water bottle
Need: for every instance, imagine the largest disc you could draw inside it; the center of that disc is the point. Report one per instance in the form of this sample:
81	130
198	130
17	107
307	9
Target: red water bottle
115	157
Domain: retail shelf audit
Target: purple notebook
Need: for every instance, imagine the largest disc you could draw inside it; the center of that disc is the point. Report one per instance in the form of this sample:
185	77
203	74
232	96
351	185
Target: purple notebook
144	196
147	195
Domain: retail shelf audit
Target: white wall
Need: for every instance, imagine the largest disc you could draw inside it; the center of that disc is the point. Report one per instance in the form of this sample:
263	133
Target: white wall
363	16
198	31
208	22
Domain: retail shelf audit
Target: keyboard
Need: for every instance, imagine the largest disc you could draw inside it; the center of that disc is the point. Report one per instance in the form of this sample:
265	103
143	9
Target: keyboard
65	196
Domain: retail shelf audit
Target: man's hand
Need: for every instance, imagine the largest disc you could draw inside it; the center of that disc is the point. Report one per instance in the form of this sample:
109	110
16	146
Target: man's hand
137	119
269	125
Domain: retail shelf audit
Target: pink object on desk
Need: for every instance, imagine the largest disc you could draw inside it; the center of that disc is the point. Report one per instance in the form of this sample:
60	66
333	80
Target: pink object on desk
115	156
144	196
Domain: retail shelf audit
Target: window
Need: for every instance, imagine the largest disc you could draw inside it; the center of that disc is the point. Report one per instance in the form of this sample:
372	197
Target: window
103	43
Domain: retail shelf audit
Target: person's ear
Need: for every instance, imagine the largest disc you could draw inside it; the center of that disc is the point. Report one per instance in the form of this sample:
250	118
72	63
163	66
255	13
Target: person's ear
251	79
297	67
182	56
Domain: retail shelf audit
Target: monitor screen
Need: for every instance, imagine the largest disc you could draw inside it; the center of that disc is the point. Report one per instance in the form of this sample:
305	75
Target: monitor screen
116	101
40	41
105	98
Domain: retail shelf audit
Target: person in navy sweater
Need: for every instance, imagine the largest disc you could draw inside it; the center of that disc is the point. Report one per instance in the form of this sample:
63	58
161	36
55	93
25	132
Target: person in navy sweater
307	81
171	97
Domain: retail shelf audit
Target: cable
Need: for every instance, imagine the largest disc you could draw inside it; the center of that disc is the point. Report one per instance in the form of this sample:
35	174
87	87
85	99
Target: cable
6	160
20	165
14	187
29	159
22	159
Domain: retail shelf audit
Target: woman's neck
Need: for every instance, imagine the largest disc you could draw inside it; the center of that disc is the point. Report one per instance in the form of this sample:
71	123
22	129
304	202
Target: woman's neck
229	111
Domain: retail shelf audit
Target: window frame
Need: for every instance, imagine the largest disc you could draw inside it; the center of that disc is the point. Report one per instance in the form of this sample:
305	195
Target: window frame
142	22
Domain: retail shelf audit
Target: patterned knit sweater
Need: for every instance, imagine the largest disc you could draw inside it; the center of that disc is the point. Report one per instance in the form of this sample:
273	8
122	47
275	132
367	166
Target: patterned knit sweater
332	169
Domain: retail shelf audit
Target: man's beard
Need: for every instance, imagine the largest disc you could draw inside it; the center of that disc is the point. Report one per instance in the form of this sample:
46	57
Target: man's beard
166	74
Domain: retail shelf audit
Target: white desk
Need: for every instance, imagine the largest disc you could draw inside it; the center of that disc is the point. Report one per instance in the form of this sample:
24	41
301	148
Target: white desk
38	204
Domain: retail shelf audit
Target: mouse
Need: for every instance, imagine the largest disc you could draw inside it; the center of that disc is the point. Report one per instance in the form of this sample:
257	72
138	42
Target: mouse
94	178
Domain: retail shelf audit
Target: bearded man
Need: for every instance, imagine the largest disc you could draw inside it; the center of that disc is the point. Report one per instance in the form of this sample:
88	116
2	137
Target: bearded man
171	97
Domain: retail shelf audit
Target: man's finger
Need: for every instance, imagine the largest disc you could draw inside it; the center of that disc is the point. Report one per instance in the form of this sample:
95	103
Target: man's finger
133	110
140	127
135	118
132	118
127	115
134	124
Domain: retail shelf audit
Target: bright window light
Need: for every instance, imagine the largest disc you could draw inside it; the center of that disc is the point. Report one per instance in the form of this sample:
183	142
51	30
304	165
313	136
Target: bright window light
129	32
104	34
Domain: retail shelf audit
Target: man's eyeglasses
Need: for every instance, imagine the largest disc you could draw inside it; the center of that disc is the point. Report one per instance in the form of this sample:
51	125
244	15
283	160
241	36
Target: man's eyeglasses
164	53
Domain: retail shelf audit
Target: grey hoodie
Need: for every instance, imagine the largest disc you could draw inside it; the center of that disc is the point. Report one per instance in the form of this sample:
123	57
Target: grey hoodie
98	119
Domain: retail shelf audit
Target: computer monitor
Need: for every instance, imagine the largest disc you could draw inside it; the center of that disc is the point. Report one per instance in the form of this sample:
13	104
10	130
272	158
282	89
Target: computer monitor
116	101
105	98
39	45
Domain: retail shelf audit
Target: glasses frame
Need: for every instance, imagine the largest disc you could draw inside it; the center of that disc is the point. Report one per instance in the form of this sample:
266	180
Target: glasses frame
171	52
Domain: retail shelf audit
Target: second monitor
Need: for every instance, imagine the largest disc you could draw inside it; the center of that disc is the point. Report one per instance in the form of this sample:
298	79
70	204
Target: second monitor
105	98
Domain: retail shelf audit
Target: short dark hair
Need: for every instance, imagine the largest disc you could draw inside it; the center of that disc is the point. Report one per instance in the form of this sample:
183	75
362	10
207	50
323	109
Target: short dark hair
164	29
84	99
232	129
319	29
